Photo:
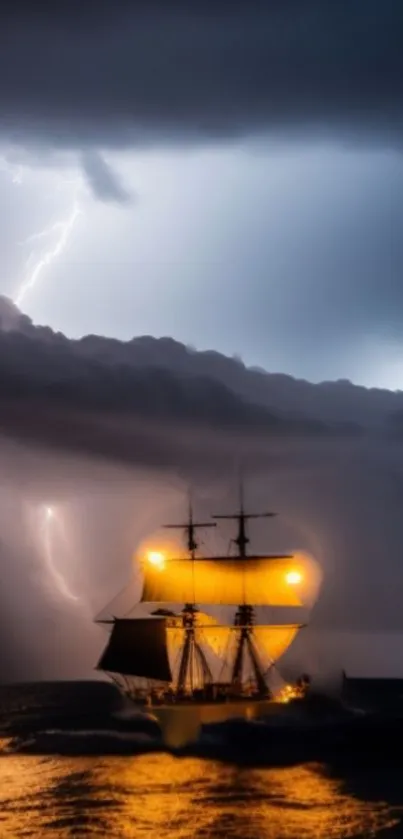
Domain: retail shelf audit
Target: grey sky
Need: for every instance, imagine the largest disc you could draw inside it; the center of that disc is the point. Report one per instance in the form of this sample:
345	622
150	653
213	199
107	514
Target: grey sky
265	253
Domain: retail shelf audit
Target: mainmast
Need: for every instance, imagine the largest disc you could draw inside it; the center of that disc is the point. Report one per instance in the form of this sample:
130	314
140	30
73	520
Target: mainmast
244	616
192	657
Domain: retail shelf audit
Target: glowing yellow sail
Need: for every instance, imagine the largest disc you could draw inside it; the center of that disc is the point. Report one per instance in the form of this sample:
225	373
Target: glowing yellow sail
273	641
261	581
175	634
219	644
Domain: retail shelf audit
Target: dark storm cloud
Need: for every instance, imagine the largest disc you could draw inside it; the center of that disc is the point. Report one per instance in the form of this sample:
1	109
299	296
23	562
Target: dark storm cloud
102	180
150	415
127	400
113	397
121	72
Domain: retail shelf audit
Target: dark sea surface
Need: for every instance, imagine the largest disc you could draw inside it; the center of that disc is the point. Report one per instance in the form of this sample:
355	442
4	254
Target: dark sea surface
75	763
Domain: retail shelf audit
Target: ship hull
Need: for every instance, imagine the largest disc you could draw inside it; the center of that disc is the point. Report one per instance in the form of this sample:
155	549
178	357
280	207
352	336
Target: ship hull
181	724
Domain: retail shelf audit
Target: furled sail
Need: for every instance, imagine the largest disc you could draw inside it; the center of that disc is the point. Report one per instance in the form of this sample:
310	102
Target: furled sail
138	648
261	581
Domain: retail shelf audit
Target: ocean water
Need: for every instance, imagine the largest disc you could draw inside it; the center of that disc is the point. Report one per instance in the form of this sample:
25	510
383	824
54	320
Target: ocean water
72	764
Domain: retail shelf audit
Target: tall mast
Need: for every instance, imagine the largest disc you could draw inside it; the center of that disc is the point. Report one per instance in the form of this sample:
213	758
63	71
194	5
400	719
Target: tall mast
189	528
192	656
242	518
244	617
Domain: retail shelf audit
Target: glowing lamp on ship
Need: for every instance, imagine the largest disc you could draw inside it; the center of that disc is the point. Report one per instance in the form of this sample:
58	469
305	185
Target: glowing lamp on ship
293	578
157	559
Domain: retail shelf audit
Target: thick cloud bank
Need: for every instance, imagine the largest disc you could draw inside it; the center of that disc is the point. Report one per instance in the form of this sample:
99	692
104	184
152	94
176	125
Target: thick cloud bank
161	383
119	73
75	389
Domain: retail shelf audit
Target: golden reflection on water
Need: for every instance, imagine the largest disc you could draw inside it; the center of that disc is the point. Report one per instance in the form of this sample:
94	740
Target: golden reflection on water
158	795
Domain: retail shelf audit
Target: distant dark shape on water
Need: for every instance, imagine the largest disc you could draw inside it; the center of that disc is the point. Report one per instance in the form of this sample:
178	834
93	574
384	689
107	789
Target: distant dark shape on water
372	693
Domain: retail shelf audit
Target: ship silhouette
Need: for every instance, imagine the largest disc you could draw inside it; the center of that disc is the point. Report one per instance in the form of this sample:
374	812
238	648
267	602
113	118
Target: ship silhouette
182	663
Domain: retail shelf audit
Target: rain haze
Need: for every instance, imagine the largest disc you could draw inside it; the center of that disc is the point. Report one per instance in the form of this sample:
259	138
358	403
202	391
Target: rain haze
201	261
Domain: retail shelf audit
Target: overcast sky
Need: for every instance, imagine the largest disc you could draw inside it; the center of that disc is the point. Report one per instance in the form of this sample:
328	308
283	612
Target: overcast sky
234	180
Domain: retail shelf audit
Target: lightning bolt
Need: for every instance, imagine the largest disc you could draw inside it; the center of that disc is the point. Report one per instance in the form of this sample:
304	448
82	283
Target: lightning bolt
49	518
64	230
59	232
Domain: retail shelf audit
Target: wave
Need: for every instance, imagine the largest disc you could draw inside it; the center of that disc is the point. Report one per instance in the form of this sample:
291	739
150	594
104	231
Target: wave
81	743
93	719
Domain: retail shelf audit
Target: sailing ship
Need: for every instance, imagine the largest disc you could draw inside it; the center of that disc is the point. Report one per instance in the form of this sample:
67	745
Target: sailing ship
198	647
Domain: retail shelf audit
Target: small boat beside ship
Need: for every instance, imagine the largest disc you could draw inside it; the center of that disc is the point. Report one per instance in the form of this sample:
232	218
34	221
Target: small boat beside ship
199	647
